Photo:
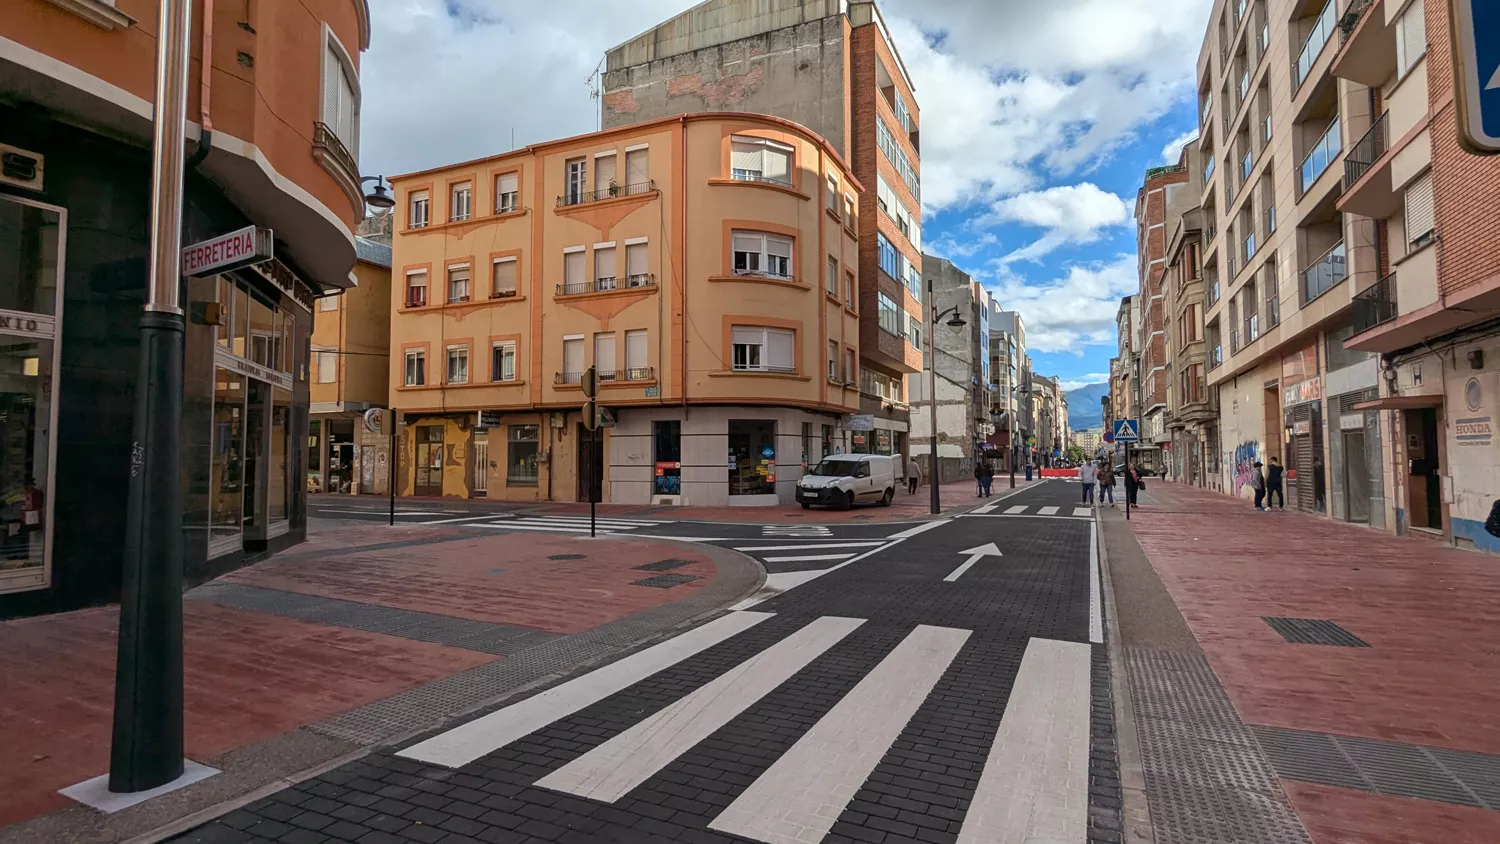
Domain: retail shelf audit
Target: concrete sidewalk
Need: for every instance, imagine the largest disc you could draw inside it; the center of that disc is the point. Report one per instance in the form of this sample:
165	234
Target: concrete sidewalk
354	638
1365	666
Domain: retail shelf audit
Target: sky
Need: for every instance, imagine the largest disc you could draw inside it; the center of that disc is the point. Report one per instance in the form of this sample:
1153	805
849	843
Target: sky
1039	118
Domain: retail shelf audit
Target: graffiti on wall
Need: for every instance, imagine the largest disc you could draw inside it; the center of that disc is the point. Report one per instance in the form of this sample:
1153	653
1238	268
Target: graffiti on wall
1244	464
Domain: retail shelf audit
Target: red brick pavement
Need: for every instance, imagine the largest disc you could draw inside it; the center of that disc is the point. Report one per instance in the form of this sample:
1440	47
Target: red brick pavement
1431	615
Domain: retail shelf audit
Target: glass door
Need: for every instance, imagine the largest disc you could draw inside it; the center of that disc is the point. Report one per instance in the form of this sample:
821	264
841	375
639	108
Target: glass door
278	465
227	472
256	460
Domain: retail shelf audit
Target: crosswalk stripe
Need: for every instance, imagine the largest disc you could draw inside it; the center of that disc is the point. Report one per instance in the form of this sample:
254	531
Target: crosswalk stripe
571	520
809	546
801	795
1019	508
611	770
519	526
463	744
808	558
1048	511
988	508
1083	511
913	531
1034	785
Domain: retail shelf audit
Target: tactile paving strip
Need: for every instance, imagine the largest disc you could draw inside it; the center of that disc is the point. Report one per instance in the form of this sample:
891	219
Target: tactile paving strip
1206	778
1314	631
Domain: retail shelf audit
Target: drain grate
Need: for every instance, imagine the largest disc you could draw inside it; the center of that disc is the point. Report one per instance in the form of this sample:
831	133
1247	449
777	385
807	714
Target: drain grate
666	581
1314	631
663	565
565	557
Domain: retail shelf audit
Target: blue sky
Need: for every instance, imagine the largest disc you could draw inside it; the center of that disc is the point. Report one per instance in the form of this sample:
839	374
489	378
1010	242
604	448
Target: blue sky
1038	122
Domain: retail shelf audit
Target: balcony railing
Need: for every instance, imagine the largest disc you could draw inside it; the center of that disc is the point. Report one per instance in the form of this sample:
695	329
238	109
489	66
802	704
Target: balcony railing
1351	17
1212	294
1375	304
1234	342
757	176
1330	269
582	197
1252	326
1366	151
1313	47
605	283
608	376
1215	355
1321	155
1273	311
1208	169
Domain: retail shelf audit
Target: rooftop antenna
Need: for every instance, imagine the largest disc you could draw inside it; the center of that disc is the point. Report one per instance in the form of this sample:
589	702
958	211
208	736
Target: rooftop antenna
595	83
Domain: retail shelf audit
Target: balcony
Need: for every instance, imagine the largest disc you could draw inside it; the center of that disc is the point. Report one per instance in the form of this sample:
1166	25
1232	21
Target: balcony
1375	304
1252	326
1234	342
1368	191
1320	276
1273	311
607	376
1215	356
1366	151
583	197
607	283
1368	54
1320	157
1317	39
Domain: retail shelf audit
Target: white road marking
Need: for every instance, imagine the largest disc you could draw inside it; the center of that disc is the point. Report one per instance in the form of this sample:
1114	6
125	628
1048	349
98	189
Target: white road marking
986	550
466	519
811	546
1019	508
611	770
778	583
462	745
584	520
1034	785
1085	512
913	531
988	508
808	558
515	526
1048	511
1096	608
318	511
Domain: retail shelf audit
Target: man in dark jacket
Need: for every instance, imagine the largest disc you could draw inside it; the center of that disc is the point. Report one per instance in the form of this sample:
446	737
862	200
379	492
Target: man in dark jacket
1274	495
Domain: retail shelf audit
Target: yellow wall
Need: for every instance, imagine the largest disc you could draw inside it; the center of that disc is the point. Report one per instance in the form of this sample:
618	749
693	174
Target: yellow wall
359	329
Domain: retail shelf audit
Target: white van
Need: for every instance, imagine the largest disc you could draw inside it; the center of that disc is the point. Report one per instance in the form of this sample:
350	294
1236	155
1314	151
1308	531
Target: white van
842	479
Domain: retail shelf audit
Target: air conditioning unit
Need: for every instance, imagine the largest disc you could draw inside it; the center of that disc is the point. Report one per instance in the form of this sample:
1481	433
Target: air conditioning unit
21	168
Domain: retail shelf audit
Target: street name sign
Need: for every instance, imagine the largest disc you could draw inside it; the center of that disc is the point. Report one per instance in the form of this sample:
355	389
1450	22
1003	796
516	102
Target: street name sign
249	245
1476	70
1127	431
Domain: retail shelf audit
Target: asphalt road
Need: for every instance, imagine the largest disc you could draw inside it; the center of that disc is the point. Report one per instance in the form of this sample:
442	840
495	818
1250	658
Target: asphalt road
940	682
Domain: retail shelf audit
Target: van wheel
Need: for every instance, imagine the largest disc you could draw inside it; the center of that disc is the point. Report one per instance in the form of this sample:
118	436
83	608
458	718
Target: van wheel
806	506
885	500
847	501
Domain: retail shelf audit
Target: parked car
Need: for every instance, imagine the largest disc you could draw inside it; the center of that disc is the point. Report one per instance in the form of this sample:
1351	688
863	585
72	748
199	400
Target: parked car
844	479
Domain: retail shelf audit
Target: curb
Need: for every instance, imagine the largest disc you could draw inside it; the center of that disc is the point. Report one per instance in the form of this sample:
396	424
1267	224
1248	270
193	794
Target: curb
1135	811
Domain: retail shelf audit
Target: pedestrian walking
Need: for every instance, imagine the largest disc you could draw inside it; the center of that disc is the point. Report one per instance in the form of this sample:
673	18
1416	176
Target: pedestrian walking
986	478
1274	493
1106	484
1086	477
1133	484
1258	483
913	475
979	479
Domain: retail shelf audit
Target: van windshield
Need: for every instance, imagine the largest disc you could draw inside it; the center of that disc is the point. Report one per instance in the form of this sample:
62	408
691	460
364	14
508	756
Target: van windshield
835	467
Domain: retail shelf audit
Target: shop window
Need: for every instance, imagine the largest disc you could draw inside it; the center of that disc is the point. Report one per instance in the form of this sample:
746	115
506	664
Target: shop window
752	457
666	438
521	463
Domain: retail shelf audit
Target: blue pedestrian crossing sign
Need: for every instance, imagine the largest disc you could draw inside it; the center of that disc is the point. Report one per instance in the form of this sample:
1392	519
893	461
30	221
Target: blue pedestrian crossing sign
1127	431
1476	36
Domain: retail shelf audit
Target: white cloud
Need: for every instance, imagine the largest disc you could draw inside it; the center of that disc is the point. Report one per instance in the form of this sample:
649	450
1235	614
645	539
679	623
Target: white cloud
1069	313
950	247
1070	384
1172	152
1071	214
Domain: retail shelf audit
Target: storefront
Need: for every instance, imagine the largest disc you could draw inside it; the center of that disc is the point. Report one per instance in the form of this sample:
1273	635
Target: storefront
1302	423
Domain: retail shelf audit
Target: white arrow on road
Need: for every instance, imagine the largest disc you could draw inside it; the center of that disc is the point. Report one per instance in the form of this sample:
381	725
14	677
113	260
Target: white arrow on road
986	550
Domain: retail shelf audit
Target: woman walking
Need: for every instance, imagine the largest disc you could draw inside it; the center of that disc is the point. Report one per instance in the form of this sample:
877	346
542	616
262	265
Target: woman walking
1106	484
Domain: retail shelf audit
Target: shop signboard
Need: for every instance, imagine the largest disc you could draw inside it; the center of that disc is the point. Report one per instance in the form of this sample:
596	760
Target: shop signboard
1302	392
241	248
859	422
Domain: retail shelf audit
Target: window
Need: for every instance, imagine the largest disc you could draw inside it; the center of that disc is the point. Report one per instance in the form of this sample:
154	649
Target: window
506	192
327	365
849	369
604	355
572	359
458	283
573	272
416	368
328	303
504	278
1411	37
637	167
503	361
891	261
1419	215
604	267
636	274
458	364
760	160
577	181
758	253
833	193
520	463
833	360
833	277
764	349
914	332
849	218
416	288
341	98
604	173
886	140
458	201
1190	327
417	215
889	314
636	368
849	291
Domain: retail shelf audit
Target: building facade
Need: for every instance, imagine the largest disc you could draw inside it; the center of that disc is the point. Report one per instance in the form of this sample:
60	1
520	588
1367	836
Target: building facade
1088	439
711	282
349	375
962	367
831	66
1010	367
1125	394
76	133
1160	204
1192	418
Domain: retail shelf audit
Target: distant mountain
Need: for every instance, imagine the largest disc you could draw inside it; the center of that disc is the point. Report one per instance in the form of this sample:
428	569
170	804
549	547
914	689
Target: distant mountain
1083	406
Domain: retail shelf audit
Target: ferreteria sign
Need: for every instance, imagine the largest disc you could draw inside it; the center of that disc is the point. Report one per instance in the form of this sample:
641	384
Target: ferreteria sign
249	245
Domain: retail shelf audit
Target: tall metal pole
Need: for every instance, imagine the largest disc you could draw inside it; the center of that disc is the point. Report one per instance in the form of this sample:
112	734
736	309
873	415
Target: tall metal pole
146	745
936	503
392	461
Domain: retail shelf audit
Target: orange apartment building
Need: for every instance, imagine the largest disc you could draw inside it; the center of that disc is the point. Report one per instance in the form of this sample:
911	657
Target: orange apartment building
1159	206
272	140
704	265
829	65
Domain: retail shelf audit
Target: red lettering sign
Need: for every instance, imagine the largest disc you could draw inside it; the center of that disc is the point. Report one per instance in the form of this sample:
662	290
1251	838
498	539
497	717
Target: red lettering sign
237	248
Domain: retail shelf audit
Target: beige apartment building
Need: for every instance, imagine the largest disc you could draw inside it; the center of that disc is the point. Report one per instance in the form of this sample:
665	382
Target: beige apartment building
1337	202
829	65
704	265
1192	417
1159	206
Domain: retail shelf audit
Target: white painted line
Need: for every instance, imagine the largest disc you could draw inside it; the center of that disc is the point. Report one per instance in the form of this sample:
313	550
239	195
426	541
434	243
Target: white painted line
462	745
688	538
1016	510
798	799
1096	609
811	546
465	519
1085	512
320	511
1034	786
988	508
559	520
517	526
913	531
1023	516
611	770
778	583
986	550
1048	511
808	558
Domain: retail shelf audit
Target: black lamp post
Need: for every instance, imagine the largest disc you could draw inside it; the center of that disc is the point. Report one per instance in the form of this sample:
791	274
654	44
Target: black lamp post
377	197
954	321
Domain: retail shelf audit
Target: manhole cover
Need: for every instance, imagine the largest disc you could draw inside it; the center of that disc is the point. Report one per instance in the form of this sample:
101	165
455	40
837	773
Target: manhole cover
663	565
1314	631
565	557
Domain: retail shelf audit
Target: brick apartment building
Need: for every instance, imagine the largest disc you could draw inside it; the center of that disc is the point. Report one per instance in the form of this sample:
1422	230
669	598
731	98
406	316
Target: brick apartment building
829	65
1159	205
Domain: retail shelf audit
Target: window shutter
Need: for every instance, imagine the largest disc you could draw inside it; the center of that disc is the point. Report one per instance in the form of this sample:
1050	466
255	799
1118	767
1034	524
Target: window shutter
572	356
418	279
573	268
333	71
745	334
635	259
347	122
505	276
780	355
778	163
779	246
833	359
1411	36
637	167
507	183
604	171
744	155
604	352
635	349
604	262
744	242
1419	213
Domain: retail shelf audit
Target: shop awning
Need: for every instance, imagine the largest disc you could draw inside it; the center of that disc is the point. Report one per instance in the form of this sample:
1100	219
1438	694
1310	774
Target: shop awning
1400	403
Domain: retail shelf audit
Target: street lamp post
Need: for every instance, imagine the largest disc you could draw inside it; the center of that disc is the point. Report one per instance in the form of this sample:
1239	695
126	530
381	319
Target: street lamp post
955	321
